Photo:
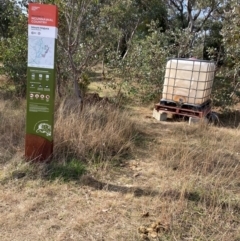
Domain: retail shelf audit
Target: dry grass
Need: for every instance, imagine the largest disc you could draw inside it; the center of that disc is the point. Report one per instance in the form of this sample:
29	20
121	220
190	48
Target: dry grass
12	127
181	183
99	132
206	163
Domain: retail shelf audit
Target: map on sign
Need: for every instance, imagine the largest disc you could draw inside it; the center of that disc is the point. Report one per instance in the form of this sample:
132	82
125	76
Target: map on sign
41	52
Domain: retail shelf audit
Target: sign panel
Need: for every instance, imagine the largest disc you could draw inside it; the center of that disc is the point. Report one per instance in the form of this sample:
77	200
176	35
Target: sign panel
41	52
40	102
42	35
43	14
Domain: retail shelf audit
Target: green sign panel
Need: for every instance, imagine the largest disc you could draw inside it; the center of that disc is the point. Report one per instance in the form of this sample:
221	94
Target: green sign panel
40	102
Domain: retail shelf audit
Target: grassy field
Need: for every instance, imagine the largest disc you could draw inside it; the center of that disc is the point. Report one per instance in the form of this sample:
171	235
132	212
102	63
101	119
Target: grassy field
120	175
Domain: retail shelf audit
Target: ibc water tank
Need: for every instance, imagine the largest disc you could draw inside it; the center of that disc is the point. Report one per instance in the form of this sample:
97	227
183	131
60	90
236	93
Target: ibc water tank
188	81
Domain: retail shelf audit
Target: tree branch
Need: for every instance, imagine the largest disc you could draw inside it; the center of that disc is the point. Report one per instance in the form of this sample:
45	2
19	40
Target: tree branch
130	39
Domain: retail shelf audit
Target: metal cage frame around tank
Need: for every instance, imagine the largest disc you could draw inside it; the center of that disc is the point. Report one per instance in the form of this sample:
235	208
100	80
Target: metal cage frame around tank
195	71
188	109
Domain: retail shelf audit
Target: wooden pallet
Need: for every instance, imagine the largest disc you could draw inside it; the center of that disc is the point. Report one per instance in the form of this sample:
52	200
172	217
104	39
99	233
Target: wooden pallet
199	111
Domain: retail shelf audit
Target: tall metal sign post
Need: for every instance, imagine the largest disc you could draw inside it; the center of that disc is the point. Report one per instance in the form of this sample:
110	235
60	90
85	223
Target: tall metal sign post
42	35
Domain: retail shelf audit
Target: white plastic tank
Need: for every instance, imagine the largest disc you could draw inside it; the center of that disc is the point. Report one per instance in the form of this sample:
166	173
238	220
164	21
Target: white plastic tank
188	81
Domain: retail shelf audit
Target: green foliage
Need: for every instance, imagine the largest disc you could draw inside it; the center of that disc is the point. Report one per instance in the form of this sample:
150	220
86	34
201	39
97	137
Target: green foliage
67	171
142	71
213	41
230	33
221	93
84	83
14	53
147	59
226	89
9	12
14	62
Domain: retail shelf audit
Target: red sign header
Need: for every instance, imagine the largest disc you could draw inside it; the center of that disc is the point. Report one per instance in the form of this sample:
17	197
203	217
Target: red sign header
42	14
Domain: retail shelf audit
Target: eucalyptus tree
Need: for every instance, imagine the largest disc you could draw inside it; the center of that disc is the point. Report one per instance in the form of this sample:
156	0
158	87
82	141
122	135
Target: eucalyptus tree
192	14
129	51
79	38
193	18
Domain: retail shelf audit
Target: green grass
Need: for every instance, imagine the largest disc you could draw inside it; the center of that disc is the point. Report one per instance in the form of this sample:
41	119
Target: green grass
67	171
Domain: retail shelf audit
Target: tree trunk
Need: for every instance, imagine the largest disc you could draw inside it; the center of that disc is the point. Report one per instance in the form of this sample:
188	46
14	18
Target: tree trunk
78	92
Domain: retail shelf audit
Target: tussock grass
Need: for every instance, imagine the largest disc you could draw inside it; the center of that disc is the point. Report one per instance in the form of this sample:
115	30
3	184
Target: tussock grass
95	134
12	127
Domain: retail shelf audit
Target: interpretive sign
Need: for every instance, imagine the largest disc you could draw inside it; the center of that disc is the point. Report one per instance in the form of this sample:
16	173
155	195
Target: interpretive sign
42	35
